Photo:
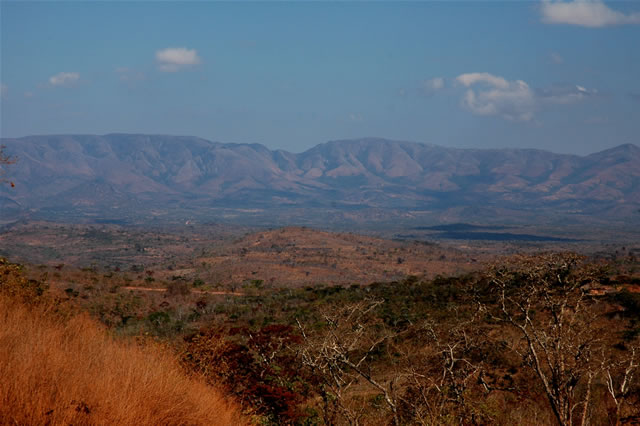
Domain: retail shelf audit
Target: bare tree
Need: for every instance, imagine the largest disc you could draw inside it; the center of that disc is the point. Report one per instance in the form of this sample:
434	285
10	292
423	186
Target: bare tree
542	298
341	357
437	385
619	383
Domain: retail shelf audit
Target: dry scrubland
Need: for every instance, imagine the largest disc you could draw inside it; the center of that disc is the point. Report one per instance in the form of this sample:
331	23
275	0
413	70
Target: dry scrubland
295	256
228	257
64	368
417	350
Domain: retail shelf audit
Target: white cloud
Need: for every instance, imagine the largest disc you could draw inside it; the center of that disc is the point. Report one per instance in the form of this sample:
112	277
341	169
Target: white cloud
564	94
435	83
355	116
489	94
585	13
513	100
556	58
129	75
429	87
4	89
64	79
482	77
173	59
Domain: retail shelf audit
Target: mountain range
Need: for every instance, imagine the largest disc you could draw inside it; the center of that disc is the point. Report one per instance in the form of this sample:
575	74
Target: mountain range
138	178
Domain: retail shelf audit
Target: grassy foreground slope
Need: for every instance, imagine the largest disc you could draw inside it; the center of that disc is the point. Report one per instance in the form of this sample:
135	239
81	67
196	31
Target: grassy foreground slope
66	369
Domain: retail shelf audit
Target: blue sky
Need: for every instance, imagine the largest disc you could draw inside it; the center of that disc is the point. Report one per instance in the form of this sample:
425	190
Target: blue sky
549	75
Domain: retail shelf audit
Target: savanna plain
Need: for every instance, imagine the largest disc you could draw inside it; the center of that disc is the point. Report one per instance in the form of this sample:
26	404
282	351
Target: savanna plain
229	324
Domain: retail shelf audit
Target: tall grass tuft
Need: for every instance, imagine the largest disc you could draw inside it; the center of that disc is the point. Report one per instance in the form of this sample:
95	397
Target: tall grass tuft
57	370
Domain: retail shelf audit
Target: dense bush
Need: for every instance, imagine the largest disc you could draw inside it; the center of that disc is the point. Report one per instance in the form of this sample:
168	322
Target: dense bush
259	367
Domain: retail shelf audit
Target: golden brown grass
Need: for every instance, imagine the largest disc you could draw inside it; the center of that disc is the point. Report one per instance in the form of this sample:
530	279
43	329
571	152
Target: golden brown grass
70	371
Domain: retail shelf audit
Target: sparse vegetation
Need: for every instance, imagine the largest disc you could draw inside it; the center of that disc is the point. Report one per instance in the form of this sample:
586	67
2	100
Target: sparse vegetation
61	367
452	349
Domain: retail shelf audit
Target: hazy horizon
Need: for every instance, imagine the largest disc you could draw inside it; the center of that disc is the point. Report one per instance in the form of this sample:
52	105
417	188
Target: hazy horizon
557	76
362	138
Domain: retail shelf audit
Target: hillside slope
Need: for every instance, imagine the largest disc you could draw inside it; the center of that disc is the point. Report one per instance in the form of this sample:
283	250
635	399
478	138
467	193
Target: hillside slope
66	369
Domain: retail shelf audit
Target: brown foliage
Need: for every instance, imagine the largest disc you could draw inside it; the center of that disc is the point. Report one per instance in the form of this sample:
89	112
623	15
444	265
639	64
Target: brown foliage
258	367
15	285
178	288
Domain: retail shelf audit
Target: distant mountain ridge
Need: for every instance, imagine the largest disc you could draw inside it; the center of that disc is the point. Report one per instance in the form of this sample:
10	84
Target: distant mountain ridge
136	176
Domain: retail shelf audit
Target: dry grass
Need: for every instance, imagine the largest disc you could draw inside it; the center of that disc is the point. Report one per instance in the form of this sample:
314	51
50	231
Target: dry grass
70	371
